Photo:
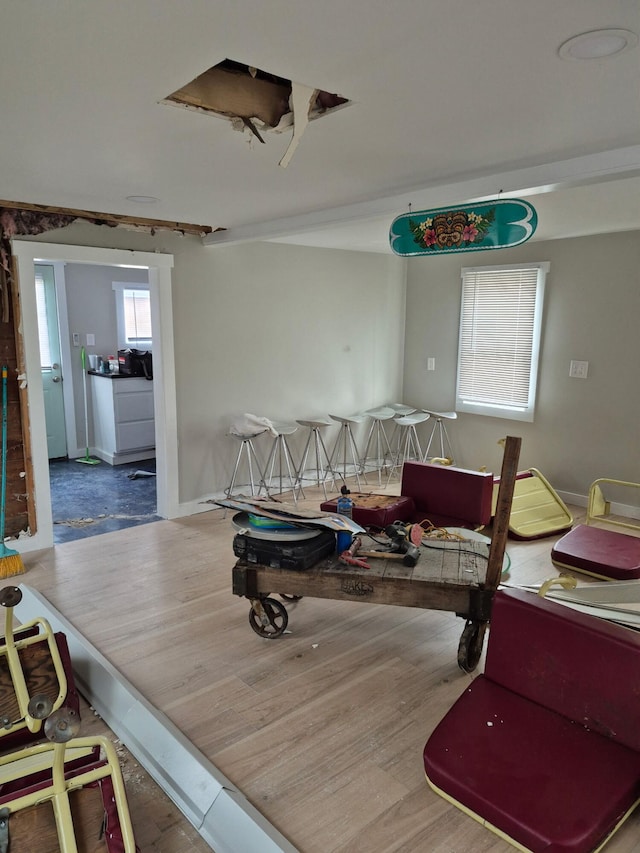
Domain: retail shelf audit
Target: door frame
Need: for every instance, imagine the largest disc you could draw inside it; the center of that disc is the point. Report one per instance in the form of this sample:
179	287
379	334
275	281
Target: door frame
64	353
27	254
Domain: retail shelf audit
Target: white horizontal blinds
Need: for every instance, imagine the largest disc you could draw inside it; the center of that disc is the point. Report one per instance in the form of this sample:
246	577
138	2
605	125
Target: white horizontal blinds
497	336
137	315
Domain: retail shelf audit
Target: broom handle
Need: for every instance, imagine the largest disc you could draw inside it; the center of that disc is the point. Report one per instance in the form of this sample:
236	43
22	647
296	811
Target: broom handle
83	359
3	484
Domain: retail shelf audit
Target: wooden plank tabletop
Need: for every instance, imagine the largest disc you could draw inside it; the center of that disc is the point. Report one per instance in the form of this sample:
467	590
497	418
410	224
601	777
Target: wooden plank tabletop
443	578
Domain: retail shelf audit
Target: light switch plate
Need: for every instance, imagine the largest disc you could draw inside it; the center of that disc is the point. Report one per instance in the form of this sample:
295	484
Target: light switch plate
91	339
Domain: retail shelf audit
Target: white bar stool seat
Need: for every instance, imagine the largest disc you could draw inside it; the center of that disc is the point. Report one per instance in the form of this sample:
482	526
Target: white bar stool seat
322	468
443	435
345	446
401	408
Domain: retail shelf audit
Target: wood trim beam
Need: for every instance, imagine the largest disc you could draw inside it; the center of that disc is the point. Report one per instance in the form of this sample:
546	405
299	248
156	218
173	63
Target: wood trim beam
111	218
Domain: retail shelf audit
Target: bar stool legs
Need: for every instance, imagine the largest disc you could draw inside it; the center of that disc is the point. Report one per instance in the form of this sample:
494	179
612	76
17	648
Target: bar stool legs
408	442
280	454
378	440
443	435
248	452
346	443
323	467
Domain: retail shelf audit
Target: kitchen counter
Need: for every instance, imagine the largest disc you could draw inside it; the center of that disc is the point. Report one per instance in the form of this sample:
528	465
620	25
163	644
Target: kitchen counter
114	375
123	418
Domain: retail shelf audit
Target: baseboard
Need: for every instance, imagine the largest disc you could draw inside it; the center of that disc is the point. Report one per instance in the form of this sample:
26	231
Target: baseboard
626	510
572	498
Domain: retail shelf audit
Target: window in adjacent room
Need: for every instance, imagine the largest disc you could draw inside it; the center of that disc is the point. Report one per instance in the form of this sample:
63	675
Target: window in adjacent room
500	326
133	312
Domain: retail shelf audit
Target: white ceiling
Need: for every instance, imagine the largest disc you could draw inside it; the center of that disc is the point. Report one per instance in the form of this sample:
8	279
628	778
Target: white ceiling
450	102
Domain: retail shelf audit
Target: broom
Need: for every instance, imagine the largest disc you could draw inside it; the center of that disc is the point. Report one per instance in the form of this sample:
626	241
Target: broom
86	459
10	561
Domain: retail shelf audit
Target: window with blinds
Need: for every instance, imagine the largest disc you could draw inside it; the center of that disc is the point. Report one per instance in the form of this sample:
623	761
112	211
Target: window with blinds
500	325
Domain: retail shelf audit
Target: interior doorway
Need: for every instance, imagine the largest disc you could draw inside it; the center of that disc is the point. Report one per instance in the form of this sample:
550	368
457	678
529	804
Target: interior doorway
50	360
88	494
30	255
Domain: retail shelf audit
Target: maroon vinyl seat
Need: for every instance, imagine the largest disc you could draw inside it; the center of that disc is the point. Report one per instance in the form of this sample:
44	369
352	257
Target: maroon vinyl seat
447	496
597	551
544	747
441	494
375	511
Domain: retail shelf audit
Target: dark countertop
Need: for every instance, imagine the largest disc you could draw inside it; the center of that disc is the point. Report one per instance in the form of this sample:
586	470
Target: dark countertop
113	375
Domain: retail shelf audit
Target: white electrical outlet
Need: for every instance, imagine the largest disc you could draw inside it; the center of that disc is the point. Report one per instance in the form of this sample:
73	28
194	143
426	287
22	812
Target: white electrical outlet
579	369
431	364
76	339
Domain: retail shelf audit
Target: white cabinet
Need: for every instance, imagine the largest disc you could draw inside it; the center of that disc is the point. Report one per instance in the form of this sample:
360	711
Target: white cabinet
123	420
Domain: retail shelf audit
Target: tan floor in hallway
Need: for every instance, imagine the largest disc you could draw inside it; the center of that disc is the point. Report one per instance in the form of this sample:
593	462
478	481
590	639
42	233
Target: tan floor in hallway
322	729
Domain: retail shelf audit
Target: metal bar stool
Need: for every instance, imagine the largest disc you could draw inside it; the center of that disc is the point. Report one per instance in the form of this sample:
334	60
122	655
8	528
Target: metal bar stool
248	452
408	441
323	467
443	435
378	440
280	454
346	443
399	410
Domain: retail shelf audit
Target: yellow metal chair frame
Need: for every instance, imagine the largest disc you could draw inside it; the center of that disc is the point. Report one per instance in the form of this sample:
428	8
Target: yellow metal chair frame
50	758
10	649
599	508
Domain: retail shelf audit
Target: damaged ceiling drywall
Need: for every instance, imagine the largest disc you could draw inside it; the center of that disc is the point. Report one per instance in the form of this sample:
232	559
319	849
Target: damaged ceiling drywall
256	101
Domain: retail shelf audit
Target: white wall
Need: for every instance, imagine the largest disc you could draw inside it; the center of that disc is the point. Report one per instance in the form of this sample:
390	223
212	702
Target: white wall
282	332
278	331
583	429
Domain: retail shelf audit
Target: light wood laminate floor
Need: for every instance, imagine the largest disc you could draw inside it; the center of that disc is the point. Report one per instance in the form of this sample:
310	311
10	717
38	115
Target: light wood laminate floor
322	729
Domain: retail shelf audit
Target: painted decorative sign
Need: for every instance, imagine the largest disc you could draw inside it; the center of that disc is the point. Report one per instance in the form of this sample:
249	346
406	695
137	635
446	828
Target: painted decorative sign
496	224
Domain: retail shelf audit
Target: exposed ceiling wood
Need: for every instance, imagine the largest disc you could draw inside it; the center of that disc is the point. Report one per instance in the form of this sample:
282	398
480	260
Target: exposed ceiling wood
438	96
115	219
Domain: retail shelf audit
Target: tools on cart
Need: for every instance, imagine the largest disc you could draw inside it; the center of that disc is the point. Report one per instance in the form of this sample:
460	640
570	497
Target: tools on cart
349	556
400	547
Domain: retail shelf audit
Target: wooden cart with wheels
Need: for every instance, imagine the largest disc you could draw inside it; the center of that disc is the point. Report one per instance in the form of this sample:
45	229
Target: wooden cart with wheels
461	580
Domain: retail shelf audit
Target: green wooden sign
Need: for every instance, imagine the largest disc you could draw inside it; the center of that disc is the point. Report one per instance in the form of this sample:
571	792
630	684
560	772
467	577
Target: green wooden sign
496	224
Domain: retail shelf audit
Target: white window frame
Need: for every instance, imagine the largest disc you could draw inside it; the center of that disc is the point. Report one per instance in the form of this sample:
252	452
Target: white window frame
119	288
472	276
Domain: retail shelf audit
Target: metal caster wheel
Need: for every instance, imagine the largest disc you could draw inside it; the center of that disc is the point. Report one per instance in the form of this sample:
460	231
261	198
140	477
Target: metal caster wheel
470	646
268	617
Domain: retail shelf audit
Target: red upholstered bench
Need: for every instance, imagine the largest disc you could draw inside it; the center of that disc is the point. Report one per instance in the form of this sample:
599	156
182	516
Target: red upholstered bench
447	496
596	551
544	747
371	510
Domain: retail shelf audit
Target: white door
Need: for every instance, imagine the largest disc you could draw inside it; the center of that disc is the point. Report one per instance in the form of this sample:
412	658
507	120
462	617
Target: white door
50	361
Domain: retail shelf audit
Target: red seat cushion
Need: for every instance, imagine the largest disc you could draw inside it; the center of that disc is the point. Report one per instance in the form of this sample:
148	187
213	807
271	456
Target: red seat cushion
548	783
598	551
371	510
585	668
448	496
